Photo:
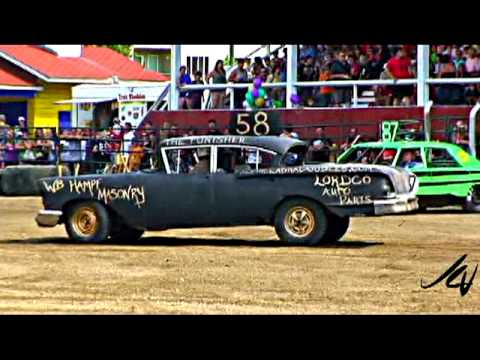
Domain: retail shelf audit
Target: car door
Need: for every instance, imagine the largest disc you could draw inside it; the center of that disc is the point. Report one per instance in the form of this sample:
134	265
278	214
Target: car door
444	172
240	200
179	199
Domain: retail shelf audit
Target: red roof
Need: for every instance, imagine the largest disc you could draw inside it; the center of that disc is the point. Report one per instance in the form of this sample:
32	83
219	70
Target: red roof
12	76
97	63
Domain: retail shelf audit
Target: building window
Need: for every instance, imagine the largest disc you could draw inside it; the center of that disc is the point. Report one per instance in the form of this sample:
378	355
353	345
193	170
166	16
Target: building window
140	59
197	63
152	62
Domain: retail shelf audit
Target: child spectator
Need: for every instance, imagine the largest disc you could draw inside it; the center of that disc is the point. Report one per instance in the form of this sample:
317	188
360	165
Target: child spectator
183	79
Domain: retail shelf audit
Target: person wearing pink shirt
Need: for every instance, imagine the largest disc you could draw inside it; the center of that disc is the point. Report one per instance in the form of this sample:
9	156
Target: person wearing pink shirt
472	63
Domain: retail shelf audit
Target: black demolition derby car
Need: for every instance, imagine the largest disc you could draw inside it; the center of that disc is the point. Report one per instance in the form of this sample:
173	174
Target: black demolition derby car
207	181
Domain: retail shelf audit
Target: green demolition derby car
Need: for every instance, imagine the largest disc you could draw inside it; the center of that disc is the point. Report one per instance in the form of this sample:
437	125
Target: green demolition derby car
447	174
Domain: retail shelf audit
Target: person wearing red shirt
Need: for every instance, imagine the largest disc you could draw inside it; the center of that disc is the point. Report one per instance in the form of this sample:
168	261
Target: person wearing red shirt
400	67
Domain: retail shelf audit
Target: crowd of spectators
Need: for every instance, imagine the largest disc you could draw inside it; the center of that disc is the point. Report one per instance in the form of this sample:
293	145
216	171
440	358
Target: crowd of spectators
344	62
455	61
270	69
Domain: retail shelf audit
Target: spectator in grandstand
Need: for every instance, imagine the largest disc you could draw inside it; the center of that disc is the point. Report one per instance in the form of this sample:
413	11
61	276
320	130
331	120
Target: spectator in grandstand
307	72
460	135
182	80
448	94
352	138
195	97
320	146
325	96
218	76
71	148
256	67
341	70
192	131
288	132
355	66
459	63
400	67
472	62
373	67
277	94
239	76
212	128
128	137
472	93
267	64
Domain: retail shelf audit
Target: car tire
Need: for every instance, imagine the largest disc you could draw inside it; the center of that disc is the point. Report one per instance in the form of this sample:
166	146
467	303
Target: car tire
337	228
88	222
126	234
301	222
472	202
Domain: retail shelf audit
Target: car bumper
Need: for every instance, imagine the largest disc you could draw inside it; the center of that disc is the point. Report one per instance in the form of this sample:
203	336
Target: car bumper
399	204
48	218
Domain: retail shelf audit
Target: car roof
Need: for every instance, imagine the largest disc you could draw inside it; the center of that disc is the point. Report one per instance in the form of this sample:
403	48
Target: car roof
408	144
274	143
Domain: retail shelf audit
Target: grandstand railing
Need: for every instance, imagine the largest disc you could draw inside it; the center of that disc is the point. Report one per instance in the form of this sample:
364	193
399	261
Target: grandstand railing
333	83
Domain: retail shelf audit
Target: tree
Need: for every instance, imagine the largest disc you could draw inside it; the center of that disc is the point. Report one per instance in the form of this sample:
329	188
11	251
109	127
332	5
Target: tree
122	49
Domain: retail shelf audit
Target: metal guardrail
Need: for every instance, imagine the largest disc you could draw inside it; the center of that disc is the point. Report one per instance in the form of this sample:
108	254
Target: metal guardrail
334	83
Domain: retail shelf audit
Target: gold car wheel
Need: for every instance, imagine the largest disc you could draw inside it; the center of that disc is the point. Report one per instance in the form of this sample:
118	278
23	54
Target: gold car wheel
85	221
300	221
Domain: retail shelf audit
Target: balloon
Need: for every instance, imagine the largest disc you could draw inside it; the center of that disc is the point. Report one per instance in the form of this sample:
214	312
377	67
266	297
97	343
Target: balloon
257	83
278	103
255	93
250	99
262	92
295	99
260	102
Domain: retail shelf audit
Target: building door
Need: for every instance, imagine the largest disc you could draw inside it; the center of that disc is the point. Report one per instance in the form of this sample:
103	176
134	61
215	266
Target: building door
13	110
65	119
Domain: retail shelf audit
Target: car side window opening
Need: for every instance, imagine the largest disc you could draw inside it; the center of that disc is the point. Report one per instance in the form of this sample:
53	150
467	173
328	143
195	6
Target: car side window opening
410	158
189	160
362	155
440	158
295	156
235	159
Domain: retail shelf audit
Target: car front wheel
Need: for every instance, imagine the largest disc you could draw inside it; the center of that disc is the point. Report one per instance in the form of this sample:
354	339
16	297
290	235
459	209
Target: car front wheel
88	222
472	202
301	222
337	228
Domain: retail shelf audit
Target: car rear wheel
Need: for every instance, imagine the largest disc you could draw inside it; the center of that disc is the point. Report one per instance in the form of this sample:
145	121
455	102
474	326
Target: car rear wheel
337	228
472	202
88	222
301	222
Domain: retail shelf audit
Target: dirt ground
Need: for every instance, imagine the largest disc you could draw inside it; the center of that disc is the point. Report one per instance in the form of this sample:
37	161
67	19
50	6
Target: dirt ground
244	270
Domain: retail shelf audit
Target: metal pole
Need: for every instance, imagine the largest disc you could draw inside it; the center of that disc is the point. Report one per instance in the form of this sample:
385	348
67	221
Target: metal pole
472	129
427	122
232	100
291	73
175	65
232	54
423	66
355	95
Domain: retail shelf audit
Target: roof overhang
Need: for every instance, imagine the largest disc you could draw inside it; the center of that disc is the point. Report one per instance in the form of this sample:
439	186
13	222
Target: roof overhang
23	66
84	101
21	88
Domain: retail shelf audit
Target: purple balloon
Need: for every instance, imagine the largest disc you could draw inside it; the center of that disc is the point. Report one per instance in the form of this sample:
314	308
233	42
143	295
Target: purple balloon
295	99
257	83
255	93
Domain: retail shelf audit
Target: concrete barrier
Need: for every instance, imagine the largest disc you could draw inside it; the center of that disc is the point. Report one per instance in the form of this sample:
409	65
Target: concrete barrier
22	180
